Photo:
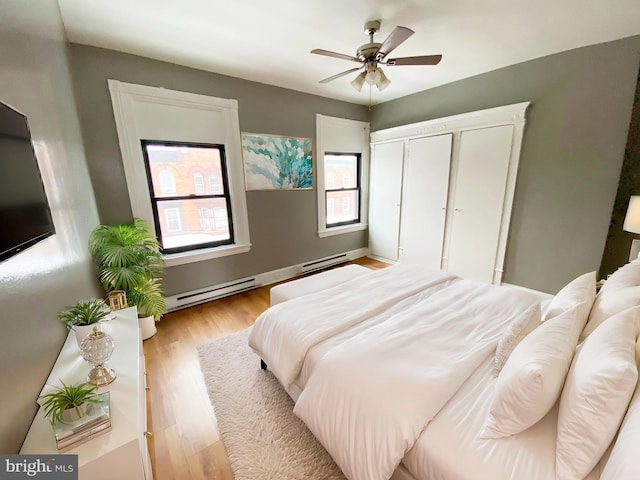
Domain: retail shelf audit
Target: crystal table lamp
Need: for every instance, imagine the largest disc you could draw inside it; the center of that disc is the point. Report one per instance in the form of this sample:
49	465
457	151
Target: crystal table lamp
96	349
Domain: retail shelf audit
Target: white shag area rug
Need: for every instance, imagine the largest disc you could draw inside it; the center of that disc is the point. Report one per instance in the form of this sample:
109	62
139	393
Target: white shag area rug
263	438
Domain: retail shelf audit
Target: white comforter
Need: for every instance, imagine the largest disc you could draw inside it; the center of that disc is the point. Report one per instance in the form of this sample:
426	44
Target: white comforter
283	334
368	399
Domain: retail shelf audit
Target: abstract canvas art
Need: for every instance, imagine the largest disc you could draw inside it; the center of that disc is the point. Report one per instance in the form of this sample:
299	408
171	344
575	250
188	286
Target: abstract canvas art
277	163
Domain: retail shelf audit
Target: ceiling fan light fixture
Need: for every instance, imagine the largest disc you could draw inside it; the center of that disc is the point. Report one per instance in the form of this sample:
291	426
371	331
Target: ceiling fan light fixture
358	82
373	75
384	82
372	54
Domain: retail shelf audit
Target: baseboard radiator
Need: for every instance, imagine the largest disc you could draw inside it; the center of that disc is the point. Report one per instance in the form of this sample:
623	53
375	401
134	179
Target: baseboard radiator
324	263
213	293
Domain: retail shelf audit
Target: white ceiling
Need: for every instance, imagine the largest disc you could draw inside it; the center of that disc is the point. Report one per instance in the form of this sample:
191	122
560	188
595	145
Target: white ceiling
270	41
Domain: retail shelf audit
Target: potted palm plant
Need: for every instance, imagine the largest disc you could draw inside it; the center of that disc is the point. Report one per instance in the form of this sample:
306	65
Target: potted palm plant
128	258
69	402
82	316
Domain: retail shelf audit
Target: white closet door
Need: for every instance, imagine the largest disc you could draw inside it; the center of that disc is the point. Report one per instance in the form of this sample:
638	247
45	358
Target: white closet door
482	168
385	187
424	200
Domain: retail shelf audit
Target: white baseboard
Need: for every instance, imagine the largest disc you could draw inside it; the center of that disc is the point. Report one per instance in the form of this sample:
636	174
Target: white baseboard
384	260
213	292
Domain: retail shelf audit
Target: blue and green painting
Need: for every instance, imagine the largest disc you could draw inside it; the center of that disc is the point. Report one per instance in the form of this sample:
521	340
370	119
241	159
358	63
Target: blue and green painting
275	163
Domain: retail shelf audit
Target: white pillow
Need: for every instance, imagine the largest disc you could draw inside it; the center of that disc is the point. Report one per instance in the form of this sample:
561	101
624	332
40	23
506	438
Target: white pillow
620	292
580	290
514	333
626	276
608	303
624	461
531	381
596	394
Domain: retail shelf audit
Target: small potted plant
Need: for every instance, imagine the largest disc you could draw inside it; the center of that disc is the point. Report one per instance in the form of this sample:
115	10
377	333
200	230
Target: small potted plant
82	316
128	258
69	402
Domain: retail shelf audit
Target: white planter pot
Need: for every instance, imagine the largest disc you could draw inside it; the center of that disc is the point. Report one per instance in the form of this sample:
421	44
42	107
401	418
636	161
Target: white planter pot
147	327
71	415
82	331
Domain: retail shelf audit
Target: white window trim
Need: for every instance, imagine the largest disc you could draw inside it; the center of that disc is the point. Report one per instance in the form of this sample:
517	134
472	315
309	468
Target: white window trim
125	97
353	138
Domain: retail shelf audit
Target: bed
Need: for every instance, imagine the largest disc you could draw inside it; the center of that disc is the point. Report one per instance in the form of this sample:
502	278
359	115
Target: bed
404	373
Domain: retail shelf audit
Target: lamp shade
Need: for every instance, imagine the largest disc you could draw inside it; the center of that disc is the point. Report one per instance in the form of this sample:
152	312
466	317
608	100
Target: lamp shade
632	219
383	82
373	75
358	82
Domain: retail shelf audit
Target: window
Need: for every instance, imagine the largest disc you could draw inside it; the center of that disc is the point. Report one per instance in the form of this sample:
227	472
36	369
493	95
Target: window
330	179
143	112
346	206
205	215
172	219
184	218
221	219
198	183
347	165
346	179
167	182
331	207
214	183
342	173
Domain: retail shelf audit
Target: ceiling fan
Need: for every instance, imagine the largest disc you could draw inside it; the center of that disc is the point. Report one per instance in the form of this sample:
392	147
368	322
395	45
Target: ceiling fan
373	54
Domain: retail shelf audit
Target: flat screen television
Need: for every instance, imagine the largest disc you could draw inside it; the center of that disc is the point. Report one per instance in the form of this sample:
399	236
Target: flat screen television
25	218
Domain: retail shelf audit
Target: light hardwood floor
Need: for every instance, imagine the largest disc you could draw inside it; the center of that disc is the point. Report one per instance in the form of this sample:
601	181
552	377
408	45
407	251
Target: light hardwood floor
185	443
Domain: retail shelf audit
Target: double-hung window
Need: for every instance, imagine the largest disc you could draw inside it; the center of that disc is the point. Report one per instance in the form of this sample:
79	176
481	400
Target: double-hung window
345	166
184	216
196	153
342	172
198	183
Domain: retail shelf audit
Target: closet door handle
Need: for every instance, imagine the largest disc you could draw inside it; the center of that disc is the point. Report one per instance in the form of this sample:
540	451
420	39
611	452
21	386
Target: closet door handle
457	210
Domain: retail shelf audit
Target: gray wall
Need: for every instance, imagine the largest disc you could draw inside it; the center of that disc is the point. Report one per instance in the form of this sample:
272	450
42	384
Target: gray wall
282	225
572	151
37	283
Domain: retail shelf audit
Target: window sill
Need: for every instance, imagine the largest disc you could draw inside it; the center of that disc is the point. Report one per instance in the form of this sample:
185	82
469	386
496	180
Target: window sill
356	227
181	258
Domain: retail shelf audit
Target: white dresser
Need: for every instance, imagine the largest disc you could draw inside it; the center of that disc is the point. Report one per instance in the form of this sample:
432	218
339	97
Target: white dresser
122	452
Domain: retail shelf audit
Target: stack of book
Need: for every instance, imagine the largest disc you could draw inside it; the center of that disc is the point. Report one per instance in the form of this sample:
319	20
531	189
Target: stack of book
96	420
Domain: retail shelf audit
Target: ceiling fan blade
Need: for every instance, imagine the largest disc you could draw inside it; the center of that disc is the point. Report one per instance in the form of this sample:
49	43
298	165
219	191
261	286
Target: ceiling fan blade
327	53
420	60
395	38
333	77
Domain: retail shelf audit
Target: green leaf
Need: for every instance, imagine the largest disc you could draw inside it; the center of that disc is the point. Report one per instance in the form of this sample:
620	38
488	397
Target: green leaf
128	258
